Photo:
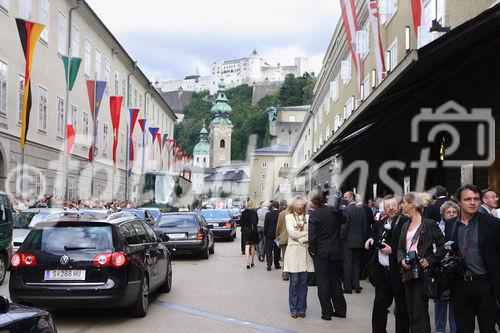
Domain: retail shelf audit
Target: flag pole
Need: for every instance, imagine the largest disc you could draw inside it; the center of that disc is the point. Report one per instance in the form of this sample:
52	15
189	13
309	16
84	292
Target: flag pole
66	107
21	190
94	134
143	150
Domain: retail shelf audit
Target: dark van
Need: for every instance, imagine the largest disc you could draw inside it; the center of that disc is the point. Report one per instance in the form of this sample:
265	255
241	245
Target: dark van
5	234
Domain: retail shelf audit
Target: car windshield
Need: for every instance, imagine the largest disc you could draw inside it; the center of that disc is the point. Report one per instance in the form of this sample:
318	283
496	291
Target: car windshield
155	213
177	221
70	238
215	214
26	220
23	219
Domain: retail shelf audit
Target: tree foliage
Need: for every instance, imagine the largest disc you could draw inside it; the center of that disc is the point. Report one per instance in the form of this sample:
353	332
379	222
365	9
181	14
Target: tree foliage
246	119
297	90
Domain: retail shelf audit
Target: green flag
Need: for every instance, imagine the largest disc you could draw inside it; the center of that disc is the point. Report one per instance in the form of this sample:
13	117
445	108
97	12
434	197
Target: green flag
73	71
164	140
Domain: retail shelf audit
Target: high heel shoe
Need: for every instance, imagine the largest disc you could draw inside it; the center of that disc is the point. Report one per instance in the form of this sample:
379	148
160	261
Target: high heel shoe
248	266
252	265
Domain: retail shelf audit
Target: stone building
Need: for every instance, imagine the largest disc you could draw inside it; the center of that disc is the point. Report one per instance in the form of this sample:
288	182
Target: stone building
271	167
356	128
72	28
250	70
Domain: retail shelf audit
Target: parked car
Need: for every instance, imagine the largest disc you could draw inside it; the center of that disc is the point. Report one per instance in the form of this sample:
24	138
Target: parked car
236	214
5	234
221	223
20	318
96	263
143	214
188	233
26	219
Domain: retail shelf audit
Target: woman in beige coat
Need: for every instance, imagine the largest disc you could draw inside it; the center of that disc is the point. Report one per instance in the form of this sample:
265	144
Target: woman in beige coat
297	259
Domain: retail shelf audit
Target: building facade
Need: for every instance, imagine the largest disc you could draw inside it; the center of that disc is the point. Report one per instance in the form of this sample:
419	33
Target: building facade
354	129
250	70
271	167
81	34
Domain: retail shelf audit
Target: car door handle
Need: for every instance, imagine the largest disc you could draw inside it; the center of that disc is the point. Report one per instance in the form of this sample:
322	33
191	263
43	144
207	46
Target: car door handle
148	254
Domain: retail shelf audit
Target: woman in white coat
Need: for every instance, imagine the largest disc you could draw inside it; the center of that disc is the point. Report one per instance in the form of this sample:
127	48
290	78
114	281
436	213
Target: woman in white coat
297	259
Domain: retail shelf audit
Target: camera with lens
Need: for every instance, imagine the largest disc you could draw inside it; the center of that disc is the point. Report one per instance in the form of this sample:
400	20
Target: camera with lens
337	202
379	243
453	263
413	260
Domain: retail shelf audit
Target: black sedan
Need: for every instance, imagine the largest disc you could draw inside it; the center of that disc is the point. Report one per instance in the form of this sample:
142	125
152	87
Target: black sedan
221	222
20	318
187	233
91	263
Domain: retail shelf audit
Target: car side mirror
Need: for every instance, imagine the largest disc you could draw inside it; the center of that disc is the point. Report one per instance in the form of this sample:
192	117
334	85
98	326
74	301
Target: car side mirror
164	237
4	304
209	226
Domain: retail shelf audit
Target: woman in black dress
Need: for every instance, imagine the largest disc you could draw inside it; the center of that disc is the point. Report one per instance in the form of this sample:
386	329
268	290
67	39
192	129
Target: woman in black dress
249	234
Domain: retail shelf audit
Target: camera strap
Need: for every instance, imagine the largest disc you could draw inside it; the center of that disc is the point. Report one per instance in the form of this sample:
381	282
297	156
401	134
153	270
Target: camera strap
417	234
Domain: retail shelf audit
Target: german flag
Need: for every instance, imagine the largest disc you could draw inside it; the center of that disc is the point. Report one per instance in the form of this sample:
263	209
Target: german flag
29	33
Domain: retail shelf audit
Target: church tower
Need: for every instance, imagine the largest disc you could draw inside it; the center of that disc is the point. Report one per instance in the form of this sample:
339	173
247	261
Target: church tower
201	152
221	129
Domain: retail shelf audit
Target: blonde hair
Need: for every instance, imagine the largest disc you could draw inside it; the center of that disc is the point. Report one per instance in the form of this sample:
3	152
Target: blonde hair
415	198
297	201
250	205
427	199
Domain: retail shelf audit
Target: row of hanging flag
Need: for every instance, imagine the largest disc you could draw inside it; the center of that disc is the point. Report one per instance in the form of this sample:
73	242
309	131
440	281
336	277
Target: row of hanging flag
29	33
350	22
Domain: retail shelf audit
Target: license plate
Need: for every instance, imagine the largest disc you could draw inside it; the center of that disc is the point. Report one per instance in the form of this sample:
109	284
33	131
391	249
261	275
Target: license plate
65	275
177	236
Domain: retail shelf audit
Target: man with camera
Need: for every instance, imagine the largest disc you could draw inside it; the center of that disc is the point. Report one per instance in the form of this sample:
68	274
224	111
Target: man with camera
387	276
475	292
325	247
354	234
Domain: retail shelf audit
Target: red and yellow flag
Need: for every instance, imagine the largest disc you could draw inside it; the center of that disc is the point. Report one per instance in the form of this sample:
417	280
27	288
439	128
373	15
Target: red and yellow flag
29	33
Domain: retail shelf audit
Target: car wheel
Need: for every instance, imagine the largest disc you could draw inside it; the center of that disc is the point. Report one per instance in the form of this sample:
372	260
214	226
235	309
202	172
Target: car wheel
3	268
140	308
167	284
212	248
205	253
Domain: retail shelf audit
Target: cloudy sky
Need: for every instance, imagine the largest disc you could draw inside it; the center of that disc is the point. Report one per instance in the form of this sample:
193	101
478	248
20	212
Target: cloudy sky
170	39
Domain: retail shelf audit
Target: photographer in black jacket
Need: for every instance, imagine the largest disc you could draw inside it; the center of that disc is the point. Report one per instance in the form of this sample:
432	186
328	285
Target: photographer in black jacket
385	270
476	293
325	246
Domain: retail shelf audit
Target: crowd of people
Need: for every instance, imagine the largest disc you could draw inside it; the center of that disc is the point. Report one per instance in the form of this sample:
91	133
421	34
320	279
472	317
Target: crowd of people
422	246
47	201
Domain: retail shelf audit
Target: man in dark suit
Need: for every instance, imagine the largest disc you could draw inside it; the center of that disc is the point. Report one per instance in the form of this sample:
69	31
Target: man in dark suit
354	235
433	210
489	202
325	246
388	285
271	248
476	293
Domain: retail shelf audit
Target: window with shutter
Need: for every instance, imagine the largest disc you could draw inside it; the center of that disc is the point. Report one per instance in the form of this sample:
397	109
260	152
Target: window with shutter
362	40
345	70
334	88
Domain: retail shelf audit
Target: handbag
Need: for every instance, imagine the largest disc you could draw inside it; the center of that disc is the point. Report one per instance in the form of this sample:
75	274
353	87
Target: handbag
432	284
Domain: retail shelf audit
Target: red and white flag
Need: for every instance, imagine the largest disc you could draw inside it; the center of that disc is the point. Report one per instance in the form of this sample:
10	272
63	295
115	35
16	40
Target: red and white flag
351	27
416	10
70	133
379	52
